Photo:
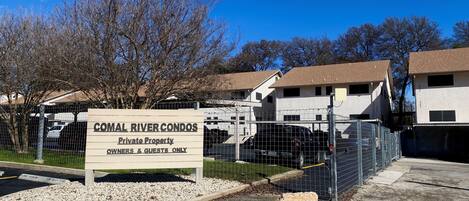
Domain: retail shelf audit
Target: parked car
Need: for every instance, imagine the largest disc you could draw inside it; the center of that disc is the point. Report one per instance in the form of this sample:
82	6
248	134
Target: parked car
54	131
288	143
73	137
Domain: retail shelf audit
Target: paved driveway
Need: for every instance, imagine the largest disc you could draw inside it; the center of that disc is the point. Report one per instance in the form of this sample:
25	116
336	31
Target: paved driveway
9	182
418	179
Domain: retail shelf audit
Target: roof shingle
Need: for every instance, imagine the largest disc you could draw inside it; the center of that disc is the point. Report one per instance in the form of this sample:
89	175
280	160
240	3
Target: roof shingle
359	72
439	61
243	81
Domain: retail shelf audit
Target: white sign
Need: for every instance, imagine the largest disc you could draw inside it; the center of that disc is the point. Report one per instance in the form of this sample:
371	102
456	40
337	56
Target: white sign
144	139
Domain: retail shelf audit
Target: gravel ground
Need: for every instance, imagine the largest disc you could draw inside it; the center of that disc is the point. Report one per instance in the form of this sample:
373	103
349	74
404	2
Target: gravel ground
184	189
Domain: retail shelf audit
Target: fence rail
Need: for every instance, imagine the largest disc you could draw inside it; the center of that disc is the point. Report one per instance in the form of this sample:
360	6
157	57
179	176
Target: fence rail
243	144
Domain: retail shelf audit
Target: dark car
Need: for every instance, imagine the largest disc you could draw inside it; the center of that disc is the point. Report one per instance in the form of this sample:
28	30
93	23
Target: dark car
288	143
73	137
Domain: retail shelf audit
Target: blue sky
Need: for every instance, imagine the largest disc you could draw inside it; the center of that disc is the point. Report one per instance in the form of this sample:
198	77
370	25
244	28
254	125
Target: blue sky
282	20
250	20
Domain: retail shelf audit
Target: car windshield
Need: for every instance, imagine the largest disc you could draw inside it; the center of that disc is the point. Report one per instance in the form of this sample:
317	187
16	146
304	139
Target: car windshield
55	128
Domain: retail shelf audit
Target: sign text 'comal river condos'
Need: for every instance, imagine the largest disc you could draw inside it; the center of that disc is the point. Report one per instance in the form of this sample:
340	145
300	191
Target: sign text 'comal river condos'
143	139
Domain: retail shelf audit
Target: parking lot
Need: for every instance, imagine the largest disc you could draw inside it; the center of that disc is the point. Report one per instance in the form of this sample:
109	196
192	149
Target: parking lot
11	180
419	180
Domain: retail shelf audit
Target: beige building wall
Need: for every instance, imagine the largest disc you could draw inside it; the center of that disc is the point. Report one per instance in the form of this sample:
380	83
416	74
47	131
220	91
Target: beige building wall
442	98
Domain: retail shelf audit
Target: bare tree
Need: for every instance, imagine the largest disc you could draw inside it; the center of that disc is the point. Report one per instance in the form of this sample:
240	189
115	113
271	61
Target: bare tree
461	34
23	68
256	56
307	52
135	53
359	44
400	37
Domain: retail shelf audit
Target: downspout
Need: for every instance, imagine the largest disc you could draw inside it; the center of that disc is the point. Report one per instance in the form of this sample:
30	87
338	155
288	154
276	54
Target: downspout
371	100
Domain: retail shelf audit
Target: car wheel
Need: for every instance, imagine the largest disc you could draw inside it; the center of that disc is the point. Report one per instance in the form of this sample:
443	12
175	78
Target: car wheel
300	161
317	157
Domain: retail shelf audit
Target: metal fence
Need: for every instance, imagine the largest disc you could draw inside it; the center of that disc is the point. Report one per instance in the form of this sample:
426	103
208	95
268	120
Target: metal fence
241	143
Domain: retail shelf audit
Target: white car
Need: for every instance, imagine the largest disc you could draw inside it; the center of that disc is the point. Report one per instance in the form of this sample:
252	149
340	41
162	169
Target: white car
54	131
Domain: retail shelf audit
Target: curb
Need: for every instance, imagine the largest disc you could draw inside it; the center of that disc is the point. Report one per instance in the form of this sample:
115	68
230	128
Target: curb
274	178
42	179
47	168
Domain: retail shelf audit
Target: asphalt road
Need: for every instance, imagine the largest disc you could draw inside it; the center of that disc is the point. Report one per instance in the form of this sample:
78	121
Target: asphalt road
9	182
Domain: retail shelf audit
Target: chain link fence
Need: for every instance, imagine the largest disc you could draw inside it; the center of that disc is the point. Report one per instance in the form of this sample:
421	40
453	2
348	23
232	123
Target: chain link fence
246	144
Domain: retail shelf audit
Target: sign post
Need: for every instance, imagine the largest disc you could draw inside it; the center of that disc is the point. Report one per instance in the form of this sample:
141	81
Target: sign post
143	139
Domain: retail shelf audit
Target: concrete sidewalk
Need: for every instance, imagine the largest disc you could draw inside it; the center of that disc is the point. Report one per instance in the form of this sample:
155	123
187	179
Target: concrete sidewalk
418	179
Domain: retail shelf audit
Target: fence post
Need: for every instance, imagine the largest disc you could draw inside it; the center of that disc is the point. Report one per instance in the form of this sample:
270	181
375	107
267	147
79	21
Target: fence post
332	149
400	145
383	151
373	148
198	172
40	136
237	134
196	105
360	153
389	157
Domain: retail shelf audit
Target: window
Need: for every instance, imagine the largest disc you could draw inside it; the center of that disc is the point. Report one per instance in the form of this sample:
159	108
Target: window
359	116
291	92
258	96
238	95
215	122
233	119
444	115
209	122
440	80
328	90
270	99
242	118
318	91
318	117
359	89
291	117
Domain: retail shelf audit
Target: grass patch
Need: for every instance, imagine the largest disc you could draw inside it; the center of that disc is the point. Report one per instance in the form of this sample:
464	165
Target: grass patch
52	158
245	173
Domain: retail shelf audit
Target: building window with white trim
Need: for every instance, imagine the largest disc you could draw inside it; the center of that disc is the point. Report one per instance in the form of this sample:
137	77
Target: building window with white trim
328	90
270	99
258	96
318	91
241	120
291	117
318	117
440	80
442	115
359	89
291	92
